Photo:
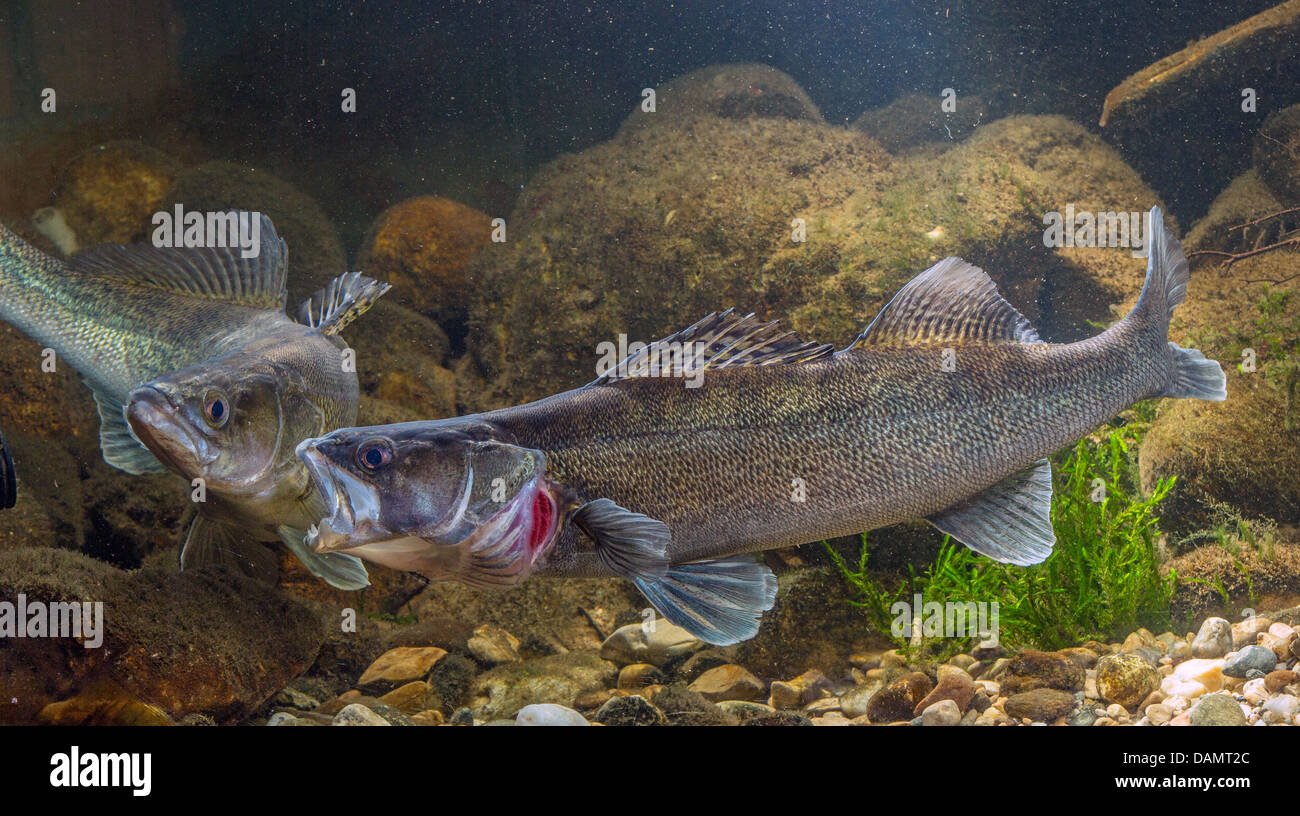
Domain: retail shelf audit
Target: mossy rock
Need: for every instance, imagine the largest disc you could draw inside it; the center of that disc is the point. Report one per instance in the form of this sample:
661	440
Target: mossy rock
1277	154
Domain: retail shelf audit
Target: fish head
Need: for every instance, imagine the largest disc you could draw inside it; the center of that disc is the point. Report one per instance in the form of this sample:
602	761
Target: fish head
233	422
440	498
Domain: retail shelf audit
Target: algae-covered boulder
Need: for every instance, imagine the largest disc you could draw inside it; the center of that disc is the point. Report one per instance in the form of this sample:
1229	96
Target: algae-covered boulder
1241	456
1277	154
422	247
315	252
210	642
787	217
559	679
733	91
109	193
914	122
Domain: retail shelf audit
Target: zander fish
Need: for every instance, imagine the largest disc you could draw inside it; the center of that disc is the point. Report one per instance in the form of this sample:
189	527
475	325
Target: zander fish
944	409
138	323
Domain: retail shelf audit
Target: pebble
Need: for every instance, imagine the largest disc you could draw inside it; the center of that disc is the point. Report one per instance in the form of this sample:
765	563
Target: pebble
943	712
1277	680
633	644
549	714
1259	658
854	701
955	686
799	691
430	716
292	698
639	675
1040	704
357	714
897	701
1213	640
1217	710
1033	669
1126	679
402	665
1255	691
630	710
493	645
408	698
729	682
1159	714
1245	632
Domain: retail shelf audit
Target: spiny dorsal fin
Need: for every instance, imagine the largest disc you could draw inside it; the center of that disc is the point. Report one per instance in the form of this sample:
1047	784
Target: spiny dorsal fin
220	273
343	300
951	302
725	340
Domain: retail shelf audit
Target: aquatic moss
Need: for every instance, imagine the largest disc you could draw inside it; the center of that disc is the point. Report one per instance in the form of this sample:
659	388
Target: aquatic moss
1101	581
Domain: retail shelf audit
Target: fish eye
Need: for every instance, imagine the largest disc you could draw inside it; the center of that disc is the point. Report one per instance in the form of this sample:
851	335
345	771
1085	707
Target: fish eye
373	455
216	409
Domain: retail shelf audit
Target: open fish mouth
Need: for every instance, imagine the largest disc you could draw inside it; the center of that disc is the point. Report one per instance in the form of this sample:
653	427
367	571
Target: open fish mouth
340	529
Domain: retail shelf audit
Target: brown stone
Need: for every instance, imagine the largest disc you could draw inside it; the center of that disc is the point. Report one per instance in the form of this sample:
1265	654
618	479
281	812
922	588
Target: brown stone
729	682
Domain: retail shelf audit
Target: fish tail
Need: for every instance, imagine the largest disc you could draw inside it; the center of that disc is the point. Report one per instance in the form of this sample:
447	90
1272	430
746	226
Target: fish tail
1190	374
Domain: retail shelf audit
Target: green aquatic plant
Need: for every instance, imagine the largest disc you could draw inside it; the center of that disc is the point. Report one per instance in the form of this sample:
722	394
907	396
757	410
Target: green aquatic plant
1101	581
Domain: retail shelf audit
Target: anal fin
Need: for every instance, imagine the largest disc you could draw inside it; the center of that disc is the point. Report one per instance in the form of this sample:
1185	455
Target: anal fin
1010	522
720	602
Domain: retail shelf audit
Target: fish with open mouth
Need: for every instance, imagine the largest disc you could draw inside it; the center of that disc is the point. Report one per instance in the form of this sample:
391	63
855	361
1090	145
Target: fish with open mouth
196	368
944	408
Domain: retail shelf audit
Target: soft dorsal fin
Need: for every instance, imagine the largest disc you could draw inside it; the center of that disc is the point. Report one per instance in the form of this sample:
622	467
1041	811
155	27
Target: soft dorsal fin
951	302
220	273
725	340
343	300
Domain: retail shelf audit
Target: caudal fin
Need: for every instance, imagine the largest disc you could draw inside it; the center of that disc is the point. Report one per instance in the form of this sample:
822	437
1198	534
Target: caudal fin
1192	375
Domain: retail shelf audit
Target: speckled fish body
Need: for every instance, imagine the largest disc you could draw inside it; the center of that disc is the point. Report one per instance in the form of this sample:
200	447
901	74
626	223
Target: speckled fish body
944	408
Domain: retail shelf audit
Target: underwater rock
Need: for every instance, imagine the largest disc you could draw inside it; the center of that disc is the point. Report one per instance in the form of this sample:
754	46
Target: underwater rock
103	702
1039	705
1257	658
647	233
209	641
897	701
450	682
955	686
1214	638
941	713
109	193
633	644
1032	669
410	698
640	675
1217	710
733	91
913	122
502	691
316	253
549	714
1279	679
801	690
630	710
492	645
422	246
730	682
1126	679
357	714
685	707
399	666
1277	154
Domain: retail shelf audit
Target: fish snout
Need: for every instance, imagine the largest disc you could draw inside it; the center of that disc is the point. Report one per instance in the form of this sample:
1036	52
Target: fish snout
152	415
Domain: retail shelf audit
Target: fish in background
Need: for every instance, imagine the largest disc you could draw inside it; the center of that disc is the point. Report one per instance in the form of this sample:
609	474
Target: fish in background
944	408
221	383
8	481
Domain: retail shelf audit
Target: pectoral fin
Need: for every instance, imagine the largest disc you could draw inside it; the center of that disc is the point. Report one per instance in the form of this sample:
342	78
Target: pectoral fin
629	544
339	570
1010	522
720	602
213	542
120	447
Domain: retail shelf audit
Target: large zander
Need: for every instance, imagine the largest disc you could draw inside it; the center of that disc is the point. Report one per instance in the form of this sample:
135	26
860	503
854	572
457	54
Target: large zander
944	408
